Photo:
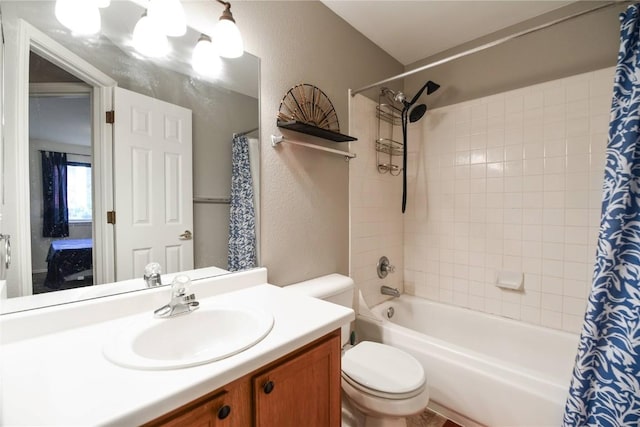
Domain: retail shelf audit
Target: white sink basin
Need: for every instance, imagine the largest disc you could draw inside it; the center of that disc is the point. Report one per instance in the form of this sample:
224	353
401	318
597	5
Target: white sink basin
202	336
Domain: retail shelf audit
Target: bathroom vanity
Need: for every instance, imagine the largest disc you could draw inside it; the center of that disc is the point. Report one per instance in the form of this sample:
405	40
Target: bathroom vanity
302	388
52	359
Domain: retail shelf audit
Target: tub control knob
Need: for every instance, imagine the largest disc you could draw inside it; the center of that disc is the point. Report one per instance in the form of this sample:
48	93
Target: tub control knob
384	267
268	387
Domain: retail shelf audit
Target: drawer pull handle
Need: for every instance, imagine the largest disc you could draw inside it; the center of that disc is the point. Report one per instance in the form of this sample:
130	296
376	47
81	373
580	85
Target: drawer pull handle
268	387
224	412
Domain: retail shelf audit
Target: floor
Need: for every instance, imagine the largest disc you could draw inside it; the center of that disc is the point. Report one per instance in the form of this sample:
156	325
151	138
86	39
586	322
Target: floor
430	419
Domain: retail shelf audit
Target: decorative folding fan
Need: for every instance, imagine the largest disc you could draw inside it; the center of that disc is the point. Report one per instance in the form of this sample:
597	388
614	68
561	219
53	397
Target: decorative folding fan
308	104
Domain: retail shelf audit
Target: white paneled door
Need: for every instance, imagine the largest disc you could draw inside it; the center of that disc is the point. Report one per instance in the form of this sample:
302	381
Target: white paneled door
153	185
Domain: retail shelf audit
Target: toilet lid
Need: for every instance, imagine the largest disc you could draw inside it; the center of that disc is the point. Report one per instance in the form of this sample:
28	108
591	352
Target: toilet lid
383	368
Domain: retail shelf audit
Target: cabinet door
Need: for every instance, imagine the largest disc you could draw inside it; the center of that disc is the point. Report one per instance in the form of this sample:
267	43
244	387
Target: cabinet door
303	391
230	408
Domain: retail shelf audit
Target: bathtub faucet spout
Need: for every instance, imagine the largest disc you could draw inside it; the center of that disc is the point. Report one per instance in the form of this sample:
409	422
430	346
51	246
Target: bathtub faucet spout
388	290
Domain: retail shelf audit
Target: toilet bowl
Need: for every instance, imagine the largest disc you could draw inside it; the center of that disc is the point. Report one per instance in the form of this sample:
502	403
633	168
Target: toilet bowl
384	383
381	383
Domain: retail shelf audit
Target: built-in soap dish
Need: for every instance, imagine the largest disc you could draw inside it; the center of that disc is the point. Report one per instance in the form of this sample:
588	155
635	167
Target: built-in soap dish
511	280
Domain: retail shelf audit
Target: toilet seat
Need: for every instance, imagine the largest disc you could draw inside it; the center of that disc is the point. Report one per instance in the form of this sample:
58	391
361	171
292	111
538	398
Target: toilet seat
383	371
381	394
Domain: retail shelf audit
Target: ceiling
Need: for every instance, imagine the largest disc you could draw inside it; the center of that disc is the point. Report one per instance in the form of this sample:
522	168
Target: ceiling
61	119
413	30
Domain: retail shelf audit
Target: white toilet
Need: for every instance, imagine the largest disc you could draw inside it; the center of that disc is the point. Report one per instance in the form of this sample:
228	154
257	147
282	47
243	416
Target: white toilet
380	383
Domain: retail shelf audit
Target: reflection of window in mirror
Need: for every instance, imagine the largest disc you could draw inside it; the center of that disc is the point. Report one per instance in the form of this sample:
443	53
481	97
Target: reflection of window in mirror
79	192
60	135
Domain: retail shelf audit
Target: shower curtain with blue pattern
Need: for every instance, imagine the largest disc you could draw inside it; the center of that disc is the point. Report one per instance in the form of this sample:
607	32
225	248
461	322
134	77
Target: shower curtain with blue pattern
605	388
242	225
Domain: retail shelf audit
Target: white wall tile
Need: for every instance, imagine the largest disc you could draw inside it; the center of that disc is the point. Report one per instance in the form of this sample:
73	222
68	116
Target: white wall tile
551	319
572	323
511	181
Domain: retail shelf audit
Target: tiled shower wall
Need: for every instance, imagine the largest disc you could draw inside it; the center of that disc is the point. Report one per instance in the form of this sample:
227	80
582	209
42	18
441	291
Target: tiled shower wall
510	182
375	205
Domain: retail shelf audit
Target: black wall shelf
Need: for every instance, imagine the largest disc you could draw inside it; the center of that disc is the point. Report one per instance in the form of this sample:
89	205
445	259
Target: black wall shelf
315	131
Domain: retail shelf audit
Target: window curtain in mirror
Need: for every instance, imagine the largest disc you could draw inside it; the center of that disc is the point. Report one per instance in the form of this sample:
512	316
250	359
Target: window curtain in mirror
242	225
54	194
605	388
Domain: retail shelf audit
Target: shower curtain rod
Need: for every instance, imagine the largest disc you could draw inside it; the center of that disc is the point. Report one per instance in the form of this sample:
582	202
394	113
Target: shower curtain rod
247	132
484	47
66	152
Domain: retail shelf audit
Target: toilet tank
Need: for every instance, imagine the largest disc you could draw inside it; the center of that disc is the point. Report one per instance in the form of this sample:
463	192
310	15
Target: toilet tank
334	288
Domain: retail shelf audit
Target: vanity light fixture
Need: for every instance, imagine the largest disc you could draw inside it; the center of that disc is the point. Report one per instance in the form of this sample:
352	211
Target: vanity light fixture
161	19
149	39
226	35
169	16
205	60
227	42
82	17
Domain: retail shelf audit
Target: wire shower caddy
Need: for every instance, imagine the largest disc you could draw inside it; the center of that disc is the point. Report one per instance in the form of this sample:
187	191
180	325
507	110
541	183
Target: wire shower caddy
389	122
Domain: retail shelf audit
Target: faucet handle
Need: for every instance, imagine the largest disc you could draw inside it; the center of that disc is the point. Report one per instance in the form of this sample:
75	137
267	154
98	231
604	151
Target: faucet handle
180	286
152	274
384	267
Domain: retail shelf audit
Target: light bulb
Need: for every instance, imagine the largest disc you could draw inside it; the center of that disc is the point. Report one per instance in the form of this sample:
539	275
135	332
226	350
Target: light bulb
169	15
205	60
102	3
148	39
80	16
228	39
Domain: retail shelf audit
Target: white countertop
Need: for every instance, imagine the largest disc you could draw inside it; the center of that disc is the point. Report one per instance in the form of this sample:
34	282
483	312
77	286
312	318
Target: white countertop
61	378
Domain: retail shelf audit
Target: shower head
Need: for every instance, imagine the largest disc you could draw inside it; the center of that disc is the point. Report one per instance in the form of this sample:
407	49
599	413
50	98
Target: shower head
417	113
432	87
429	86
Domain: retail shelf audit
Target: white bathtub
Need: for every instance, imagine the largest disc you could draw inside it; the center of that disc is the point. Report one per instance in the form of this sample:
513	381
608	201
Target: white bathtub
488	369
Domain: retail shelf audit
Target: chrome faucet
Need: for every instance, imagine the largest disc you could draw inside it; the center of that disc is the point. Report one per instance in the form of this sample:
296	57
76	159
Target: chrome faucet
180	303
388	290
152	273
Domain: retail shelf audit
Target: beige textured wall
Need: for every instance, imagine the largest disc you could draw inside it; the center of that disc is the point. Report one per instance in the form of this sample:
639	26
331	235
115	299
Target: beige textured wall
583	44
305	193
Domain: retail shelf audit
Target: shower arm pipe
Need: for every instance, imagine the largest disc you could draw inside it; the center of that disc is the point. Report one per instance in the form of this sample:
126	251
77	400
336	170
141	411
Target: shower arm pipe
483	47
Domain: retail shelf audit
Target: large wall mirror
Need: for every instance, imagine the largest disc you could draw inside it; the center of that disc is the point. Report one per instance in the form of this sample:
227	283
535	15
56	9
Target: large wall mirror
58	90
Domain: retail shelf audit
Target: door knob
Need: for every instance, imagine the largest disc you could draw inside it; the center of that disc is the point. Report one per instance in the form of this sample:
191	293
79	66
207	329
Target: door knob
187	235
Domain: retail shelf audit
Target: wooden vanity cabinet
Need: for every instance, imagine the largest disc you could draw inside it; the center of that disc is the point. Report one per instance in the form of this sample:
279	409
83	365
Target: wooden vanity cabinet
299	389
227	407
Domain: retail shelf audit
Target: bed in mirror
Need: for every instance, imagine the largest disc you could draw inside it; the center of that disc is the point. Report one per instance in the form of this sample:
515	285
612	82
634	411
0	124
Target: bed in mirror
95	201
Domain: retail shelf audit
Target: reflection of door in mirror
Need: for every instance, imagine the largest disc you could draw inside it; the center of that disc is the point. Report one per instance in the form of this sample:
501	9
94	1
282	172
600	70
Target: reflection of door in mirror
61	215
152	170
154	191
